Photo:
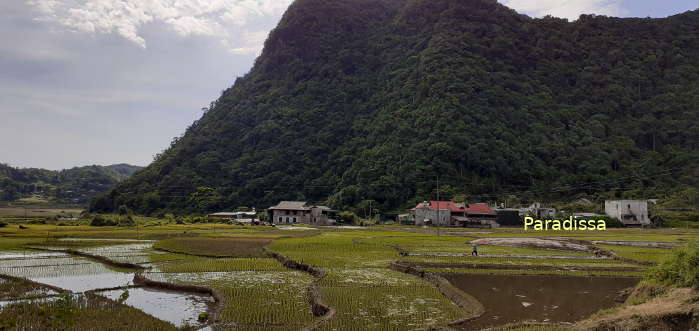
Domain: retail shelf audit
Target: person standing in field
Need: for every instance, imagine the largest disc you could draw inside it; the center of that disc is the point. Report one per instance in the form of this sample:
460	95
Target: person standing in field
474	250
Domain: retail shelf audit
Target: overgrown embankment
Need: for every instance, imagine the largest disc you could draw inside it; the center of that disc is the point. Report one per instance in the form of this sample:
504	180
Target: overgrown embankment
318	306
668	299
471	307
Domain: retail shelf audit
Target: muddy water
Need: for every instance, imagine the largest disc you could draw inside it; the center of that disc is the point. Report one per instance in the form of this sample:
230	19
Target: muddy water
540	298
177	308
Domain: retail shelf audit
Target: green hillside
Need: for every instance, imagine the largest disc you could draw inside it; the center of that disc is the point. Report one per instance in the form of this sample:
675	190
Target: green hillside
73	186
355	100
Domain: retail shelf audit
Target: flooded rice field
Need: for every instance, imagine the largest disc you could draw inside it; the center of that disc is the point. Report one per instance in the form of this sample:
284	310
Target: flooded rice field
540	298
75	274
62	270
179	309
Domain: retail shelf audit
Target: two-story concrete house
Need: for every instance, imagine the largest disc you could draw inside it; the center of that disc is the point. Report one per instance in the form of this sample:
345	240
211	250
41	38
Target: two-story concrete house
629	212
290	212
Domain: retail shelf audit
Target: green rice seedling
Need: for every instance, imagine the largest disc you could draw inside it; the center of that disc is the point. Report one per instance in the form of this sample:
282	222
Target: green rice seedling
643	254
252	297
388	308
216	247
78	313
336	249
200	264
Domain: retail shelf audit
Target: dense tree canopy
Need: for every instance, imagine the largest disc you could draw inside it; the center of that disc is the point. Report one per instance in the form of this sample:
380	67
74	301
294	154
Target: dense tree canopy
76	185
377	100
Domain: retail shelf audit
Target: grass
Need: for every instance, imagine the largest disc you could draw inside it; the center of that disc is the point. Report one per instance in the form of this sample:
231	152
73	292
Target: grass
681	268
17	244
20	288
216	247
643	254
82	313
35	212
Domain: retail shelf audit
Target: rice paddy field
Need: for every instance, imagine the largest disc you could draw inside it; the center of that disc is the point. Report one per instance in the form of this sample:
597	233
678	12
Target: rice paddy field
230	277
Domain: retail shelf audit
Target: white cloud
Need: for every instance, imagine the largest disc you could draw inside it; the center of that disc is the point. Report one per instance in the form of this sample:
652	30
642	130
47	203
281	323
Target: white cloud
226	20
570	9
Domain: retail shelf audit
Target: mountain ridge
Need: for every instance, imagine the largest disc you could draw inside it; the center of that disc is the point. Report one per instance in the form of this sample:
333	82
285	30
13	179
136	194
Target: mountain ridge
355	100
74	185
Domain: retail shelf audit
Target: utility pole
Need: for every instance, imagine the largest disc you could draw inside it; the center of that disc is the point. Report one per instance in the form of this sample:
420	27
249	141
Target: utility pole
439	221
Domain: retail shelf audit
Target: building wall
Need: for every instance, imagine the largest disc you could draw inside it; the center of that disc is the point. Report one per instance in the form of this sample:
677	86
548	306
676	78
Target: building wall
616	208
317	217
421	214
290	216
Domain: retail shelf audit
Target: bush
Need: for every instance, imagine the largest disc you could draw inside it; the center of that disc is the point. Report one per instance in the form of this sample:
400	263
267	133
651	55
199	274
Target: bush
680	269
99	220
612	222
3	224
127	221
347	217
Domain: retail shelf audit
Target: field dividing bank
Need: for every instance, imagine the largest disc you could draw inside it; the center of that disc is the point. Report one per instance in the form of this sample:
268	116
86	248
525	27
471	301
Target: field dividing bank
358	283
256	290
259	291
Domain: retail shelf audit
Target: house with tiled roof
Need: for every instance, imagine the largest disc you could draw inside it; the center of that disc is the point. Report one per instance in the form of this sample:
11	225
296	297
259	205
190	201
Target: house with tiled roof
450	213
291	212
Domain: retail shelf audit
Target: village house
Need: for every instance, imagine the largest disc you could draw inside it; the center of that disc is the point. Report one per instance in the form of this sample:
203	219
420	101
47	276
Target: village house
290	212
629	212
449	213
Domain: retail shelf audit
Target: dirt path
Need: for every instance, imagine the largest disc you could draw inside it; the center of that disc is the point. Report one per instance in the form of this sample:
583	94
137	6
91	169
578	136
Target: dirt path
514	256
650	244
519	267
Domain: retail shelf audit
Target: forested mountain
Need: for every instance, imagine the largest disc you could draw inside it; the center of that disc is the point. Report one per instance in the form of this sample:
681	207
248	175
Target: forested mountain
356	100
76	185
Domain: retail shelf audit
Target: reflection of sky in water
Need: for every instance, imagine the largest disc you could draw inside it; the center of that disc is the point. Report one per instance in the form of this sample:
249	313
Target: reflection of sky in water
178	309
63	271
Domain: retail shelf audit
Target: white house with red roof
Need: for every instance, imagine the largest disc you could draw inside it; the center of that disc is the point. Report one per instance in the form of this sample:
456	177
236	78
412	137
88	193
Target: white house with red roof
449	213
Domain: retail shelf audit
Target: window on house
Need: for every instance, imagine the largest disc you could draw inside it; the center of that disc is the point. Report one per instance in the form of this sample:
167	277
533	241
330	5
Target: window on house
280	219
287	220
294	219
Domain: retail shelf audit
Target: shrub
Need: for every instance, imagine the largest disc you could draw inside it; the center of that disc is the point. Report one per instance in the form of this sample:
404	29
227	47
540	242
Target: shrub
680	269
127	221
3	224
347	217
612	222
99	220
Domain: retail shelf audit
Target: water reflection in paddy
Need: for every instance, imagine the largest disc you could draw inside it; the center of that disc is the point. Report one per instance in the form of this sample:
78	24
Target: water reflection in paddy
64	271
542	298
177	308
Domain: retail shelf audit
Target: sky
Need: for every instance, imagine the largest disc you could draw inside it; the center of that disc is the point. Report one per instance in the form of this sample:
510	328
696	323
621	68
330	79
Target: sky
114	81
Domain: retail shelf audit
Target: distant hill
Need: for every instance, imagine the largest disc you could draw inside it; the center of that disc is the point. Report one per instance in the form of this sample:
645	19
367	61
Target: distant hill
74	186
371	102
